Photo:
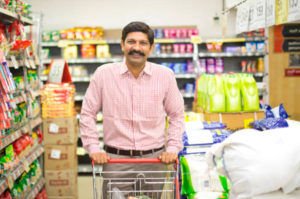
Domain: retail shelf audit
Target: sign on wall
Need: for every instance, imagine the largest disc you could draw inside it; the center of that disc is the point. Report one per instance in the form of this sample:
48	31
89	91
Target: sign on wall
270	13
286	45
290	30
281	11
294	10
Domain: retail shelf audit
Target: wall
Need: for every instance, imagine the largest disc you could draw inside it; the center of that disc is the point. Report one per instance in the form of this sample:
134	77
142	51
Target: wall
112	14
282	89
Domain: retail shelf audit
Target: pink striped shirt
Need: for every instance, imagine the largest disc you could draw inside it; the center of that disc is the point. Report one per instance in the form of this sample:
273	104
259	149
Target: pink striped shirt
134	109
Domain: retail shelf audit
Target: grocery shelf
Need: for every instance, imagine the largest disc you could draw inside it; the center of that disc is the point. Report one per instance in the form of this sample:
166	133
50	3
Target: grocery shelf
13	175
88	60
13	136
36	189
36	122
172	55
186	75
226	54
164	40
238	39
8	17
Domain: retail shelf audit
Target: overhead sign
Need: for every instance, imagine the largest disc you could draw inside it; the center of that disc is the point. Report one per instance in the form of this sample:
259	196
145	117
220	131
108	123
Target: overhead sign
260	14
281	11
290	30
286	45
294	10
270	13
242	18
252	15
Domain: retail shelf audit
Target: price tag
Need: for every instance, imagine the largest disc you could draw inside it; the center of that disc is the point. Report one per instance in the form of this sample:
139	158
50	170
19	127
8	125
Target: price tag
31	63
247	123
56	71
164	41
80	151
10	181
26	63
55	154
53	128
14	61
63	43
25	165
24	97
270	13
196	40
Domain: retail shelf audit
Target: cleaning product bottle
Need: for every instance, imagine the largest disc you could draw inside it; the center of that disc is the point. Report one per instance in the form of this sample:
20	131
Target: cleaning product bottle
216	95
199	84
232	93
249	93
207	77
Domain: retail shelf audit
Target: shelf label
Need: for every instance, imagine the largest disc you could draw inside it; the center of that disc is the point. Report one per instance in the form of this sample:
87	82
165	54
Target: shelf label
270	13
55	154
14	61
53	128
56	71
164	41
81	151
196	40
26	165
64	43
281	11
10	181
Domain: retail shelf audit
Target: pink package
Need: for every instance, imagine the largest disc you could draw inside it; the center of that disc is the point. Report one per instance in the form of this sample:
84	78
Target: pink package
178	34
190	66
172	33
219	65
176	48
184	33
202	66
189	32
167	33
210	65
182	48
195	31
189	48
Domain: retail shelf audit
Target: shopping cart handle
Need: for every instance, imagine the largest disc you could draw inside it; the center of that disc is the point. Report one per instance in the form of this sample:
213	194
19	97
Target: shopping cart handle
134	160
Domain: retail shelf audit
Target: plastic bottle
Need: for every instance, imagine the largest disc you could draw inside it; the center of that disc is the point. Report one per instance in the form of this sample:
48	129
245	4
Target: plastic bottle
232	93
249	93
216	95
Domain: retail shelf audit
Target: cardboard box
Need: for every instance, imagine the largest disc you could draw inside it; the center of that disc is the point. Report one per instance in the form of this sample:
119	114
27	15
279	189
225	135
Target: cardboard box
234	120
63	197
60	157
61	183
60	130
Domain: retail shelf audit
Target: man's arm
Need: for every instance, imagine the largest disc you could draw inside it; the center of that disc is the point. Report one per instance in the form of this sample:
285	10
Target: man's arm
91	106
174	106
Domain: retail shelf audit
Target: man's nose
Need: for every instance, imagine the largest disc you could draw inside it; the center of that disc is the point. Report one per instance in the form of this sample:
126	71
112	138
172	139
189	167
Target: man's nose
137	46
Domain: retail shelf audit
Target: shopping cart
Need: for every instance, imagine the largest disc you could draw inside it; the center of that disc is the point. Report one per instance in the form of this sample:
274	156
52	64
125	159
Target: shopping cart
166	181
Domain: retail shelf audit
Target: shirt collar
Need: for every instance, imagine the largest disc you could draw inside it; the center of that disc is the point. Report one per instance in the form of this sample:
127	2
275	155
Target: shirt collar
147	68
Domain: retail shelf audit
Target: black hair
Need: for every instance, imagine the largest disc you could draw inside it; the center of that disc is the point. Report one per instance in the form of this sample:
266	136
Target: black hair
138	26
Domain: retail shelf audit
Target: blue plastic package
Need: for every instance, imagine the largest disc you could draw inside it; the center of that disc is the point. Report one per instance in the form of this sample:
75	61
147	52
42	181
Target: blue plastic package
282	112
269	123
268	112
214	125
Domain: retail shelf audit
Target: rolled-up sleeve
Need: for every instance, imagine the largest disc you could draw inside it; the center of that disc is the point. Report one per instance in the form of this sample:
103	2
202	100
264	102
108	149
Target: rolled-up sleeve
174	106
91	106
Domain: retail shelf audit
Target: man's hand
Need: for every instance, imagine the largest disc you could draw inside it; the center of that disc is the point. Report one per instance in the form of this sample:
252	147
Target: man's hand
168	157
100	157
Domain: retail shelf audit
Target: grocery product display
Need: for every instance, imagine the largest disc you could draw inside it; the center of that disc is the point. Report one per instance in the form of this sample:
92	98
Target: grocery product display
21	174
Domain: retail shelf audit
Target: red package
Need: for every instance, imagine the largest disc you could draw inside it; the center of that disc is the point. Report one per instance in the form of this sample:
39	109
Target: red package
5	195
2	33
15	30
20	45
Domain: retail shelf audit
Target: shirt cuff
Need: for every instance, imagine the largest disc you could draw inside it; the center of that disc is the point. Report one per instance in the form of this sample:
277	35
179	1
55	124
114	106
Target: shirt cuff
172	149
93	148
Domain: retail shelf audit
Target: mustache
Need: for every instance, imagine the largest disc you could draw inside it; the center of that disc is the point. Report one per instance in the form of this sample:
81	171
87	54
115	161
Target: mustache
136	52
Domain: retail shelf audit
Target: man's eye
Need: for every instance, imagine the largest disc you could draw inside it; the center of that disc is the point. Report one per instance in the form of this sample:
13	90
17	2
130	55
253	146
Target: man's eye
144	43
131	42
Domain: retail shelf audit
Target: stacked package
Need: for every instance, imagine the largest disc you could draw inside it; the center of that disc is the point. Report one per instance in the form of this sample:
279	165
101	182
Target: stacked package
58	101
197	180
60	137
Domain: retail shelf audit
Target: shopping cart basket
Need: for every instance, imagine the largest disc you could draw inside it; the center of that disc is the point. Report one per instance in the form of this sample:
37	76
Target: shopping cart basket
167	181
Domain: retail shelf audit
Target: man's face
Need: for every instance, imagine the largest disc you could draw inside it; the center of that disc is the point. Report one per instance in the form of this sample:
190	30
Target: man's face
136	48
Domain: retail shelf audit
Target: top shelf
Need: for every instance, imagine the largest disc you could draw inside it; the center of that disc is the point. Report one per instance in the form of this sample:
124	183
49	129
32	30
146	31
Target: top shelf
118	41
8	17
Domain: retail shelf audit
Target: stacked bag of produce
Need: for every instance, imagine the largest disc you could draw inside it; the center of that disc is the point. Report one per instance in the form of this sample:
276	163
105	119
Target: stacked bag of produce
260	164
196	180
58	100
227	93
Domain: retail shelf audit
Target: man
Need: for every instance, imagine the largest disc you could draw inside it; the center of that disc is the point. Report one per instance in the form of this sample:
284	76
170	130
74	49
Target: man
135	97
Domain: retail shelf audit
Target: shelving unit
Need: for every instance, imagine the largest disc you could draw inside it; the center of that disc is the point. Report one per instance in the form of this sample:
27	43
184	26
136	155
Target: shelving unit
20	67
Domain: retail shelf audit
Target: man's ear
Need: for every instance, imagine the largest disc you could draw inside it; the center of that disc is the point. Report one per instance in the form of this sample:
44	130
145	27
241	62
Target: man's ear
152	48
122	45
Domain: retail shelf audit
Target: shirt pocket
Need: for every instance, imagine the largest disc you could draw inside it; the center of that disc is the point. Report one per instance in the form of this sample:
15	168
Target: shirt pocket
151	105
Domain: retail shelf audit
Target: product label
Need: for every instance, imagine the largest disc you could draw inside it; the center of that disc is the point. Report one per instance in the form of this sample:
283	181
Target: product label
63	156
53	128
55	154
59	182
247	123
